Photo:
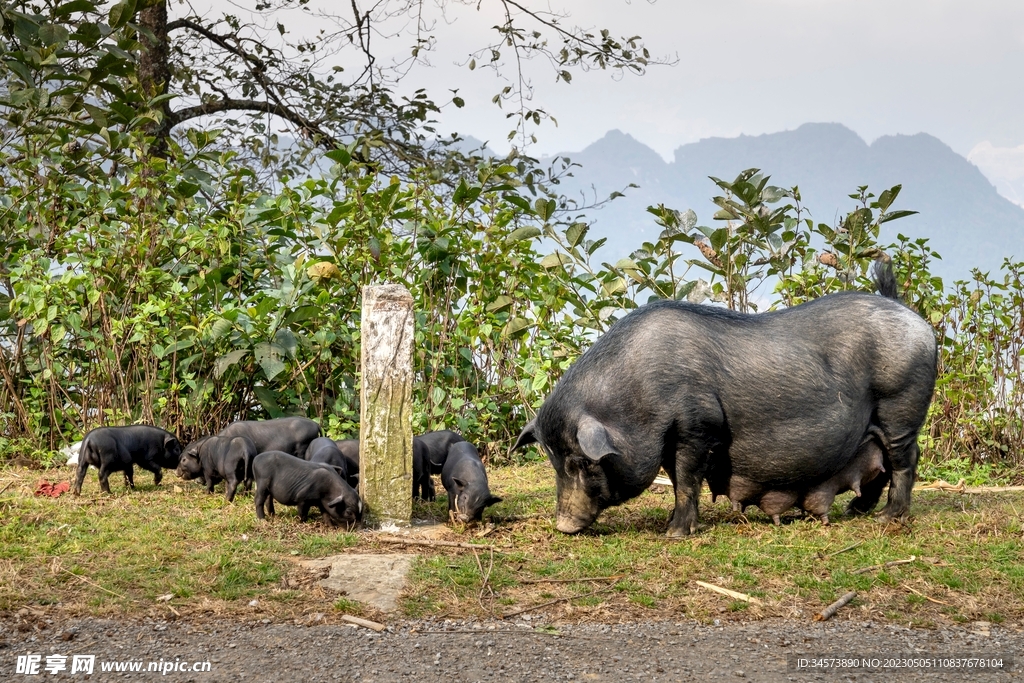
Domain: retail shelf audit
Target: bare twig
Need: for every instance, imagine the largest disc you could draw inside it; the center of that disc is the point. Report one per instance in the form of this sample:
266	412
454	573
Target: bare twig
93	583
429	543
865	570
579	580
525	632
962	487
556	601
831	610
365	623
929	599
485	576
840	552
730	593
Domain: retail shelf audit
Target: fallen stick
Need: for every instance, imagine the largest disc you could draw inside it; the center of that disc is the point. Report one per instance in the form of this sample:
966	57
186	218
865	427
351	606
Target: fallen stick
580	580
831	610
864	570
9	485
93	583
929	599
961	487
840	552
365	623
441	544
732	594
556	601
480	632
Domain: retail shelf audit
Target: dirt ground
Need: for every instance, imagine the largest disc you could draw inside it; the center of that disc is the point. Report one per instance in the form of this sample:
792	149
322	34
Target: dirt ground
519	650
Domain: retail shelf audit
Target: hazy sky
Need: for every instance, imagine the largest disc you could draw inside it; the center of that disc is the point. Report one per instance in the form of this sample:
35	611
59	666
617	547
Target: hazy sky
954	69
950	68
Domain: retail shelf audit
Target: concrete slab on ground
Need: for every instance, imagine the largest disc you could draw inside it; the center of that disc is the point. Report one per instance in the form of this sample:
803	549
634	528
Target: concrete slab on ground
376	580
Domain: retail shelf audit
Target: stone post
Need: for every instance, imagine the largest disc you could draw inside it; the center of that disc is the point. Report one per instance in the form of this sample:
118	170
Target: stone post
385	420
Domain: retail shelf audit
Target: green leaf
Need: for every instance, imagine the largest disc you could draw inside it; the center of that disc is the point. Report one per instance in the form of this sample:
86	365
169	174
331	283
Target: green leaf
269	357
285	338
462	193
121	13
68	8
894	215
887	197
517	201
684	290
339	156
613	287
302	313
540	380
527	232
576	232
554	260
220	327
501	303
179	345
221	365
516	326
687	220
772	194
268	401
545	208
98	115
53	34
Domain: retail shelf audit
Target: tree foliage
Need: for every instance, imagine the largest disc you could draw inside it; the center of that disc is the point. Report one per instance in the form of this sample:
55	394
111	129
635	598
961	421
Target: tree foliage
149	271
82	68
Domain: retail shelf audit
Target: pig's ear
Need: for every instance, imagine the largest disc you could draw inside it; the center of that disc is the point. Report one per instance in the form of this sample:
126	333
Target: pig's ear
340	500
492	500
527	436
595	441
459	483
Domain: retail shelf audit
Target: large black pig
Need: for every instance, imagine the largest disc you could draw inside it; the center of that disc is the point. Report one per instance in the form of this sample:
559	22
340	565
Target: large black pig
349	449
784	399
289	434
324	450
119	449
422	482
436	445
218	458
465	479
291	481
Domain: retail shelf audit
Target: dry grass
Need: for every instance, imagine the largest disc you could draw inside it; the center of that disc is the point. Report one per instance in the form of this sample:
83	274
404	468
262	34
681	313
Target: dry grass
120	554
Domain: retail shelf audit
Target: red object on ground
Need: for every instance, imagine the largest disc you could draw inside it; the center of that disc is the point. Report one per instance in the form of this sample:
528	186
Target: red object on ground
45	488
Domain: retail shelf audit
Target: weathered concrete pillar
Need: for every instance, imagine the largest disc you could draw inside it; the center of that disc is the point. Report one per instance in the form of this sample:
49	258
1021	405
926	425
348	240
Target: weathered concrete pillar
385	420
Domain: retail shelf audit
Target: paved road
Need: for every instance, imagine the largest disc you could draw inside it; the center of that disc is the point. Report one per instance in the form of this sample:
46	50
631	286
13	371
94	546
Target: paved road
465	652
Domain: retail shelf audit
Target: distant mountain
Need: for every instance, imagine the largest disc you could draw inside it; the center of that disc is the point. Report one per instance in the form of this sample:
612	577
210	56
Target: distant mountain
962	214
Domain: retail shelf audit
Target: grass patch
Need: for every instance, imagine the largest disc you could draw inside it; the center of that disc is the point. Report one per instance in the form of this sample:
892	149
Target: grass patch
127	552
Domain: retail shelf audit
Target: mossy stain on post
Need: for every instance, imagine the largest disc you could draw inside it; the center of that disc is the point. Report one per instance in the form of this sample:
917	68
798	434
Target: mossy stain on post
385	421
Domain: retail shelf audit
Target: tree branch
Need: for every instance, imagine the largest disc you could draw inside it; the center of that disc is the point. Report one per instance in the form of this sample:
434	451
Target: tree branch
319	135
